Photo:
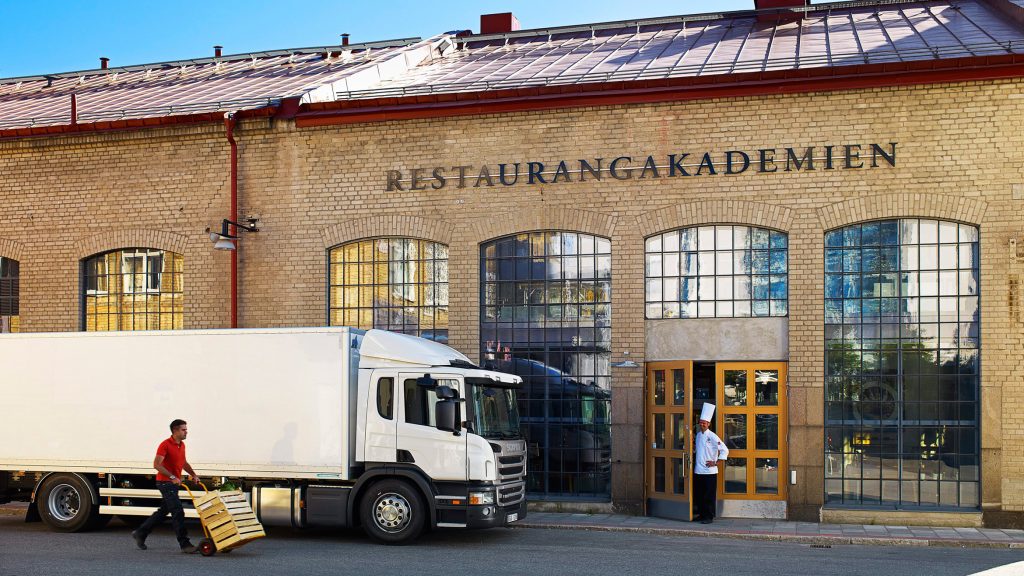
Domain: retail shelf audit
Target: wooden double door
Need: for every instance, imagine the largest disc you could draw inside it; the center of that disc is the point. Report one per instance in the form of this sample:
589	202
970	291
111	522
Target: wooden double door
750	418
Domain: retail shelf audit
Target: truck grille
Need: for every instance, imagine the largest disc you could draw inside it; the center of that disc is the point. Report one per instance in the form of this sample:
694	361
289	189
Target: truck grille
511	468
511	493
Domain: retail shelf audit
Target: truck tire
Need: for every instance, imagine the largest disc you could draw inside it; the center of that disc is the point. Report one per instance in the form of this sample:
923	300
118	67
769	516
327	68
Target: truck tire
393	512
65	504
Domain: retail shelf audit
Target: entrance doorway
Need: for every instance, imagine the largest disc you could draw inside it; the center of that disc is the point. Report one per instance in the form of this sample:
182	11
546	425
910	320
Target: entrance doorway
750	418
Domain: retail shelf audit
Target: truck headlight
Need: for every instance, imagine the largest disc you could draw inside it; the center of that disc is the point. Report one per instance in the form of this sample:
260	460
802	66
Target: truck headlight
478	498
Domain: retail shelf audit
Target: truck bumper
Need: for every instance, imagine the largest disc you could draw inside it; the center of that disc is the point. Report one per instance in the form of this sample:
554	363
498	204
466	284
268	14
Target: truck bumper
492	516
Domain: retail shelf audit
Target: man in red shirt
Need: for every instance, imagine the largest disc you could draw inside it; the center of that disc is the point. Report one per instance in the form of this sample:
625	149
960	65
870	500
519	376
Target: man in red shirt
169	462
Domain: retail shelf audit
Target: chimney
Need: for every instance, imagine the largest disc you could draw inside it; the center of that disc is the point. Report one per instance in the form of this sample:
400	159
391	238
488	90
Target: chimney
777	10
344	39
498	23
217	51
103	62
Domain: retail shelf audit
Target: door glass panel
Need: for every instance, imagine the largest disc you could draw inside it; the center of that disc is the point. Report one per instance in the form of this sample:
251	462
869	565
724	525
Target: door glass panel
659	387
767	476
659	431
736	476
736	387
679	387
678	476
659	474
767	432
736	431
767	387
678	431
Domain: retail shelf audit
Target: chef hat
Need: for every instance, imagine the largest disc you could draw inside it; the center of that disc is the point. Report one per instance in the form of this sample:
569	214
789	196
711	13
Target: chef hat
707	411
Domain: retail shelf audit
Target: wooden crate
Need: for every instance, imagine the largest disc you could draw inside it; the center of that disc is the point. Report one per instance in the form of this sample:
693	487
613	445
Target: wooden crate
228	518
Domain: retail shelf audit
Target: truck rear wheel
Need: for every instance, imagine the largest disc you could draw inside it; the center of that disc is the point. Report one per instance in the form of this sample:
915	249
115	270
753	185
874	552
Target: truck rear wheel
393	512
65	503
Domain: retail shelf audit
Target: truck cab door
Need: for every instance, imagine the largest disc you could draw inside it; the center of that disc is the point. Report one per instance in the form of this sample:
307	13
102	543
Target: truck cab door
440	454
381	418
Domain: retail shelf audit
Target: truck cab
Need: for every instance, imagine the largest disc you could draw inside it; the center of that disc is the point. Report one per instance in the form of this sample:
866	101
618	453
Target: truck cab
430	412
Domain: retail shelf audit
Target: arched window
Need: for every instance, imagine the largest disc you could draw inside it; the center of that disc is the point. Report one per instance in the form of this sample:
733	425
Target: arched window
720	271
902	364
133	289
397	284
9	274
546	315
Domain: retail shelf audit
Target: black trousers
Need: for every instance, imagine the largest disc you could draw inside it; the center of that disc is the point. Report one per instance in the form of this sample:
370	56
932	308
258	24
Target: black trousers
705	487
170	504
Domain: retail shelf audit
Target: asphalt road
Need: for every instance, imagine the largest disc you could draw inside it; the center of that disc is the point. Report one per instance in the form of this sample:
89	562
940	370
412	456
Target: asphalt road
31	549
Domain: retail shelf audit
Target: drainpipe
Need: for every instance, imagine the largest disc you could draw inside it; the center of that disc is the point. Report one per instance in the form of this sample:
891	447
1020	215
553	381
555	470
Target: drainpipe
229	125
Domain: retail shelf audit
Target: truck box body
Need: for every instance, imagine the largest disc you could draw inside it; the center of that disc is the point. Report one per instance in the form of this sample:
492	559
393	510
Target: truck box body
273	403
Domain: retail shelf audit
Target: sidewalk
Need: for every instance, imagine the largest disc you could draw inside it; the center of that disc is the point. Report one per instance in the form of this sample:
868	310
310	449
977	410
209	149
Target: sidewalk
777	530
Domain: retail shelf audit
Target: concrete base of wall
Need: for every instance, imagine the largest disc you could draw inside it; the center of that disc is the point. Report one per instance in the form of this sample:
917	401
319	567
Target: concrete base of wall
1001	519
902	518
576	507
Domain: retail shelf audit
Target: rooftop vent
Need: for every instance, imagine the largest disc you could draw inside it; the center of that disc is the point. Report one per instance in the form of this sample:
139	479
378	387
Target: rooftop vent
498	23
344	39
103	62
217	51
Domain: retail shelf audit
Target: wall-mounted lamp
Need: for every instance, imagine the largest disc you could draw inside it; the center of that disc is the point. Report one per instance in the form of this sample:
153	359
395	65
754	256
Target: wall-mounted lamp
224	240
625	362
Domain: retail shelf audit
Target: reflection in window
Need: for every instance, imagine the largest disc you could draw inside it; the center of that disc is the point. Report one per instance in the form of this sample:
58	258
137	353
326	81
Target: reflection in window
716	271
546	316
396	284
133	289
902	356
9	295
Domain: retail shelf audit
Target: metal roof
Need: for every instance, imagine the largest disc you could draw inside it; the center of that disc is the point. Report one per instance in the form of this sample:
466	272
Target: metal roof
828	35
229	83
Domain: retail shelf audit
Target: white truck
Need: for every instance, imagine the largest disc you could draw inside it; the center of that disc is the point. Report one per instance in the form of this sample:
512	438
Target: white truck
326	427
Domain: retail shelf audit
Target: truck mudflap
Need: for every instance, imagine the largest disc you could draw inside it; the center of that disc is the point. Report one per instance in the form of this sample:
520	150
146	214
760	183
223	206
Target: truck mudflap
495	516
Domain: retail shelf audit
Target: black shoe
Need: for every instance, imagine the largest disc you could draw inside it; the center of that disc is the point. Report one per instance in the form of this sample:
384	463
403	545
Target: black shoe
189	549
706	521
140	540
696	519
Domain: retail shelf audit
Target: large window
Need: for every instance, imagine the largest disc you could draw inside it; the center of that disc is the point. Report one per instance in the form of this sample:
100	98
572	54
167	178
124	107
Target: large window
902	364
716	271
9	315
546	316
133	289
397	284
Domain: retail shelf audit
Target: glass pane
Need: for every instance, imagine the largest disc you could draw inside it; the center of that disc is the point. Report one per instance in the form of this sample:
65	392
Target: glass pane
735	436
659	431
678	476
659	474
767	387
679	432
766	476
679	387
736	476
767	434
735	389
659	387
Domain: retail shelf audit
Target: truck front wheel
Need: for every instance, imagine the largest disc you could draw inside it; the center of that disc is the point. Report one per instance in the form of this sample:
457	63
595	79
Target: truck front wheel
65	503
393	512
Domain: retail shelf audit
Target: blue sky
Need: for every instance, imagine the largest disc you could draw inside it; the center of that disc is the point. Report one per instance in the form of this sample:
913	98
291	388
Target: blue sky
59	36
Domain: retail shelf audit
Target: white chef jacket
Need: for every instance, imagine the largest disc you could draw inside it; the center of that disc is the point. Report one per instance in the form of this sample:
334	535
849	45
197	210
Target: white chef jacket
709	447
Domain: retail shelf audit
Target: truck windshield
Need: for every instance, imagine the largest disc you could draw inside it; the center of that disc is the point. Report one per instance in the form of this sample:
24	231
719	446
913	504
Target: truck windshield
495	414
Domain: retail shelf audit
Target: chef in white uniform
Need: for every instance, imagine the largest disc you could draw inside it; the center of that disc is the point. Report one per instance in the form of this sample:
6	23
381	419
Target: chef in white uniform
708	451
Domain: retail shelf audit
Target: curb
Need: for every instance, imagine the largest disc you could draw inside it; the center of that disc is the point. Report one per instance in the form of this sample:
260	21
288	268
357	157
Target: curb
816	540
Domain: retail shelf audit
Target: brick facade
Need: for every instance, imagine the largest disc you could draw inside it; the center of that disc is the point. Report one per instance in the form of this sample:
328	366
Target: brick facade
958	157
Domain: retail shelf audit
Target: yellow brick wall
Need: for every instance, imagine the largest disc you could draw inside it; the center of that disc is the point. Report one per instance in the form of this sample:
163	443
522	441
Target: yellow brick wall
959	157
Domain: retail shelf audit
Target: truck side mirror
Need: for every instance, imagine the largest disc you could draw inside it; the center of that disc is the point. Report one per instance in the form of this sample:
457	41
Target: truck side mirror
446	416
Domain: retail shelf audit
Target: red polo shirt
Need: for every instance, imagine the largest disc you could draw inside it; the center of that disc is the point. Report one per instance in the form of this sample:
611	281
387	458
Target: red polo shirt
174	458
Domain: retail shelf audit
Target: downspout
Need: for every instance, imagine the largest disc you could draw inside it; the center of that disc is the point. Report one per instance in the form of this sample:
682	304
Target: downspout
229	125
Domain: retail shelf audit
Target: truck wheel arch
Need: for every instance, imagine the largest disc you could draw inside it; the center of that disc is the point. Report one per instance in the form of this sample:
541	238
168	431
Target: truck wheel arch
411	474
91	484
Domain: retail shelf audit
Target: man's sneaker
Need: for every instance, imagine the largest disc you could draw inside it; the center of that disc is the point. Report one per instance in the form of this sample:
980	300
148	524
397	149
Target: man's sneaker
140	540
189	549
